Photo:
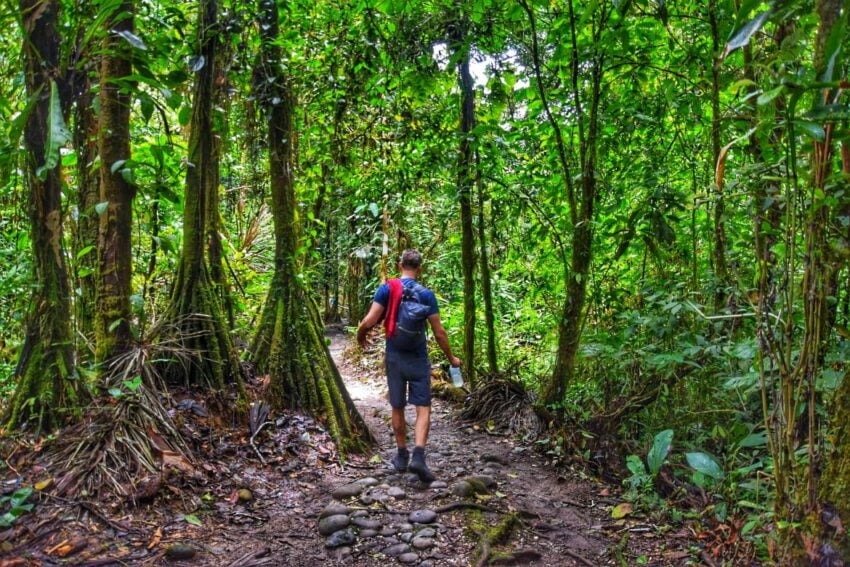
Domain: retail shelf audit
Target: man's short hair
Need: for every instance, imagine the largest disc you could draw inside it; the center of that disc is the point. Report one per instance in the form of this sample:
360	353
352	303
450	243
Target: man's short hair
411	259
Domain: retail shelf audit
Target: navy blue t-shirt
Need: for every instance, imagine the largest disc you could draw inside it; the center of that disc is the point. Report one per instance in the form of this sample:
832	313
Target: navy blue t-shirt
426	297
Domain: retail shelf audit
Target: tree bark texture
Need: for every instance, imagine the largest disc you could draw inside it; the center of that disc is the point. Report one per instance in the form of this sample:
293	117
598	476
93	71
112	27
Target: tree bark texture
289	344
46	387
721	269
88	195
115	255
196	308
486	278
465	181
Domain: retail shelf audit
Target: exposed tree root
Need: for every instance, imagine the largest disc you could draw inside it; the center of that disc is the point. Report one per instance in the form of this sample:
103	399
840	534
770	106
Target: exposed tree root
126	441
490	536
507	403
463	505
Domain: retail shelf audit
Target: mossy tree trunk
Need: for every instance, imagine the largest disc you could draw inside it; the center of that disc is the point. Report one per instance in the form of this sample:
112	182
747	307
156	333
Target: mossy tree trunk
465	182
114	252
196	307
46	386
586	92
289	344
88	195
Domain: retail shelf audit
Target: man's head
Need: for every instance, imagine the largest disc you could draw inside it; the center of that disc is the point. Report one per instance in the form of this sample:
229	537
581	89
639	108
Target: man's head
411	261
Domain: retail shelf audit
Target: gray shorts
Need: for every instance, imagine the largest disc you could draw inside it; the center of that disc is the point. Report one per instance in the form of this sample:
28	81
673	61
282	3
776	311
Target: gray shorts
408	378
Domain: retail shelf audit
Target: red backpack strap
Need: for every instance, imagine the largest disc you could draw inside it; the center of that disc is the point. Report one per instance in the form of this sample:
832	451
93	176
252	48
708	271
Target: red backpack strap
392	306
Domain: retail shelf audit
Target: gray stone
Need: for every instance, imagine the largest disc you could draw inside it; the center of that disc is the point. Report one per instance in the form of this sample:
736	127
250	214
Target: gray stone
368	533
426	532
438	484
342	537
388	531
366	523
396	492
427	563
406	537
334	509
486	480
342	553
347	491
367	499
368	481
422	516
331	524
422	543
462	489
494	458
359	513
408	558
405	528
396	550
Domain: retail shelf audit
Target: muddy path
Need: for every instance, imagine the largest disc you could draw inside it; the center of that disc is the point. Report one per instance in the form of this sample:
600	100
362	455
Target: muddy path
264	501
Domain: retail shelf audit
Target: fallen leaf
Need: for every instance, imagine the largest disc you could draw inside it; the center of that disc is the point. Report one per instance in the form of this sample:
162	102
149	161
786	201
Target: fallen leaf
155	538
605	492
193	519
176	460
45	484
621	510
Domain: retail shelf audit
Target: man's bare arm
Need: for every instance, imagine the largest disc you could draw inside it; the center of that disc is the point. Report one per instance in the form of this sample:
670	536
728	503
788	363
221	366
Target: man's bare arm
369	321
442	338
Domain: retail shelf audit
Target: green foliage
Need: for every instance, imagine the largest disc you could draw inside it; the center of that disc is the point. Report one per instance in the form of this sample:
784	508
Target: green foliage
15	506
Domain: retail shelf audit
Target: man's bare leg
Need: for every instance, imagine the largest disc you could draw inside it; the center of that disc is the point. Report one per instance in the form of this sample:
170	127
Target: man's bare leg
400	427
423	426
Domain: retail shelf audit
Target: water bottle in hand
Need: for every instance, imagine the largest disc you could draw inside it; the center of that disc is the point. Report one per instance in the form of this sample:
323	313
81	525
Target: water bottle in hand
456	376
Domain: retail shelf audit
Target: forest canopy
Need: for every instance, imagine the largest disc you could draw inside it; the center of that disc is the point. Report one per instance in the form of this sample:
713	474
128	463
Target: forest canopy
636	211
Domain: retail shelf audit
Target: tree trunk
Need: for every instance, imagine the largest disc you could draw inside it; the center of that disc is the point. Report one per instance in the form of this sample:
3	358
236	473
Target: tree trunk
46	386
196	308
115	256
465	181
213	213
572	319
486	291
289	344
88	195
721	270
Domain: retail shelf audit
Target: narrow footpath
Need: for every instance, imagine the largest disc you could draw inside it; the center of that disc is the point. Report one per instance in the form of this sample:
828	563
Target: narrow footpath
492	496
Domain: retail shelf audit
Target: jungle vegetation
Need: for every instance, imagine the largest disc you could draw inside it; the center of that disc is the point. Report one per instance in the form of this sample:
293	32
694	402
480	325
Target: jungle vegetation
636	210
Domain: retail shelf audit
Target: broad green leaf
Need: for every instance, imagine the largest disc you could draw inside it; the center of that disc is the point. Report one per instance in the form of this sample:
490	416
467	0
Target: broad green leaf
767	97
754	440
659	451
705	464
84	251
742	36
811	129
193	519
635	465
57	133
133	39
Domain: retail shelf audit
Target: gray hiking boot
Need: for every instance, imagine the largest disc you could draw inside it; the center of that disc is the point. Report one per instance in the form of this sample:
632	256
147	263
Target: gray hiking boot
401	459
418	466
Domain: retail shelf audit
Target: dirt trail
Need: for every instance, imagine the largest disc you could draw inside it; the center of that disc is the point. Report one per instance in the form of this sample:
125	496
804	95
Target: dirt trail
238	511
559	523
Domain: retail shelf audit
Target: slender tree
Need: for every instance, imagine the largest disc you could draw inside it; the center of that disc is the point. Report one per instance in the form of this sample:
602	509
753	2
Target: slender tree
46	382
115	254
465	183
289	344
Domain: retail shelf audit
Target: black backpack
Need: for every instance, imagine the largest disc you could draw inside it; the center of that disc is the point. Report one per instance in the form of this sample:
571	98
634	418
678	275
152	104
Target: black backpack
410	323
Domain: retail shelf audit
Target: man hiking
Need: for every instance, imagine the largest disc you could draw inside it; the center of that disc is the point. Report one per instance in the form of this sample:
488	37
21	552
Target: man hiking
408	305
